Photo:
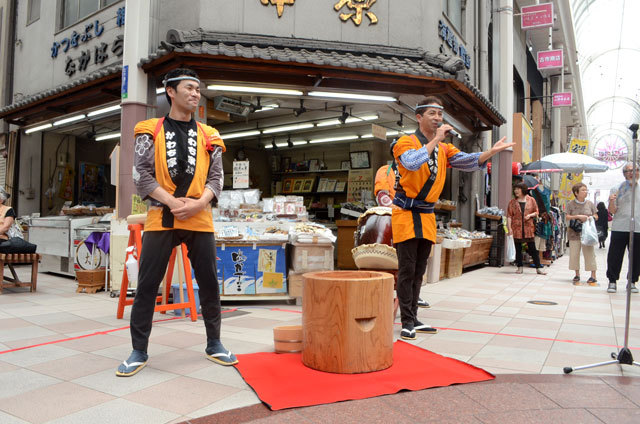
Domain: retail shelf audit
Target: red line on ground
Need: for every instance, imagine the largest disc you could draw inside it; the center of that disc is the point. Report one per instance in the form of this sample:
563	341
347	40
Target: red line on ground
286	310
97	333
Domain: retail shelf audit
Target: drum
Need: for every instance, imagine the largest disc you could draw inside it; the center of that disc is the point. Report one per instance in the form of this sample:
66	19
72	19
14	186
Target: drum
374	227
374	241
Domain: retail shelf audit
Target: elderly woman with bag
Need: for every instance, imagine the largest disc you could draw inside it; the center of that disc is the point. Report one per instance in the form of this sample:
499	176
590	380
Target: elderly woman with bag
579	210
520	222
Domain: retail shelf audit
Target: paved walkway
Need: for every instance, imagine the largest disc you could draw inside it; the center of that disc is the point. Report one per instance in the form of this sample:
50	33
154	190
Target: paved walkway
484	319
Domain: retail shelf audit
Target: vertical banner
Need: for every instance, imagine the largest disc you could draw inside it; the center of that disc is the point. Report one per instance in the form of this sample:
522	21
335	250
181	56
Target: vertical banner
570	179
527	141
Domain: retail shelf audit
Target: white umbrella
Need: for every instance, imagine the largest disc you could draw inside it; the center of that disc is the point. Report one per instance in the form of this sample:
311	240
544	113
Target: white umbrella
574	162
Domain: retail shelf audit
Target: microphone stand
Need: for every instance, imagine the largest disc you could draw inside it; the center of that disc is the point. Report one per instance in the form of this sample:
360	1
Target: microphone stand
624	356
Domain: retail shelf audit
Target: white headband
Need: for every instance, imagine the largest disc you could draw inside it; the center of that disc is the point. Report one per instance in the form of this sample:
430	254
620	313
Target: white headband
429	105
180	79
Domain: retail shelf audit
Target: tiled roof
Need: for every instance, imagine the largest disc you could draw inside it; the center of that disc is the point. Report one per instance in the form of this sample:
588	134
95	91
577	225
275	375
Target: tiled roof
64	87
304	51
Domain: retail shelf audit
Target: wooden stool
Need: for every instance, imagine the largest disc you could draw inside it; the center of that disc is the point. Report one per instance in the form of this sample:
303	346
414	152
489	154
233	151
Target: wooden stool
346	321
11	259
135	239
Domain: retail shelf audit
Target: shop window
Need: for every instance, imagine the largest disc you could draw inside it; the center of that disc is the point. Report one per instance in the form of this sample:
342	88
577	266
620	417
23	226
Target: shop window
453	10
33	11
76	10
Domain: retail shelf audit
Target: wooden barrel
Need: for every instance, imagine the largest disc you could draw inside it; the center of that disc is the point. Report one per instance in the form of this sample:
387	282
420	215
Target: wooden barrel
347	321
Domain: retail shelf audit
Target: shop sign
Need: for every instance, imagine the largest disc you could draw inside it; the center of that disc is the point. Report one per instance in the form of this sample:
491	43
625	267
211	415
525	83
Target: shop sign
537	16
279	4
570	179
379	132
124	91
355	10
100	53
550	59
449	36
562	99
241	174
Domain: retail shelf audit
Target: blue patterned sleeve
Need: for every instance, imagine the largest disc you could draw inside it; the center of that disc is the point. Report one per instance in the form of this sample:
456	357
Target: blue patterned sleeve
413	159
466	161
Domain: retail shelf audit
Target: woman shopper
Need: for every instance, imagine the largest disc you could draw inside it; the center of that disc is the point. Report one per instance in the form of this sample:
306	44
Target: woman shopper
521	211
602	223
581	209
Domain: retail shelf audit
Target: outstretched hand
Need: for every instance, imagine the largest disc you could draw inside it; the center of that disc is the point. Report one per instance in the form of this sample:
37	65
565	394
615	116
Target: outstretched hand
501	145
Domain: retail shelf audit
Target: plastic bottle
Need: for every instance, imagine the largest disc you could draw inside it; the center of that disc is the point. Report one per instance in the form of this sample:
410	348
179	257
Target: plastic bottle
132	266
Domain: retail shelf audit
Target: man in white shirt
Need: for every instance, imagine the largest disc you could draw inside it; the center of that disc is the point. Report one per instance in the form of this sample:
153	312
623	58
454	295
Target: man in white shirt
620	207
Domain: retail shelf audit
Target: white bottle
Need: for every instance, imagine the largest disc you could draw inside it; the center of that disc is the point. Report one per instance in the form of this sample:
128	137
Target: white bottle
132	266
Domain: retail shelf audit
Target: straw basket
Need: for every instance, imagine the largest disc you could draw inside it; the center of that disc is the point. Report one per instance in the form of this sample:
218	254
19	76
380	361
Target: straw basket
90	281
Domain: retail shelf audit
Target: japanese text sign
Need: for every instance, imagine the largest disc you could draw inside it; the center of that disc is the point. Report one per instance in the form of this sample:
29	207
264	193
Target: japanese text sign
241	174
537	16
550	59
562	99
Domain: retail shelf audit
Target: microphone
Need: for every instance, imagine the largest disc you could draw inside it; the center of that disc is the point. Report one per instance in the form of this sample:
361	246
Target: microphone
451	131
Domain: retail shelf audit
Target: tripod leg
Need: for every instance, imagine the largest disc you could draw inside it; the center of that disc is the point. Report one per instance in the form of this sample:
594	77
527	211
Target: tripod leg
568	370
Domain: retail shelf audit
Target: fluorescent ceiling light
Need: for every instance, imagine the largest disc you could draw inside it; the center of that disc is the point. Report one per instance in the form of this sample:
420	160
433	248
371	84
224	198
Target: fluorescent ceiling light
261	90
70	119
282	144
287	128
103	110
268	146
352	96
160	90
38	128
329	139
239	134
299	143
349	120
108	136
266	108
389	134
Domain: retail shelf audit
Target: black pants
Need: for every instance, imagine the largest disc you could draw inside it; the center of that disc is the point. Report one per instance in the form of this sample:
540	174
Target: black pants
412	263
156	251
531	248
618	244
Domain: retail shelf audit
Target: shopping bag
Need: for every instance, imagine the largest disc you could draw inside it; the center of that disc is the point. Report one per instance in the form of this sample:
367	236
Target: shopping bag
511	249
589	235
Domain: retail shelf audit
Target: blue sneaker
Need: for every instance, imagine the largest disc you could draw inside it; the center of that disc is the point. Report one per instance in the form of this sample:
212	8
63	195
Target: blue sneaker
217	353
136	361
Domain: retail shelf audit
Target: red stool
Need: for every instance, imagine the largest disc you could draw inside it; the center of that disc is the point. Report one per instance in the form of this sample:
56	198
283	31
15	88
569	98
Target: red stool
135	239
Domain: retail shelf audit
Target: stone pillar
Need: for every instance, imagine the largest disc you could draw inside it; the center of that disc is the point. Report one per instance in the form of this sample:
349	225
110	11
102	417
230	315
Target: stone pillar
134	96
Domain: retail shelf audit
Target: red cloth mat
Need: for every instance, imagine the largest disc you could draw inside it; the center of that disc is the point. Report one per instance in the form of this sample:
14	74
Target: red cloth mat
282	381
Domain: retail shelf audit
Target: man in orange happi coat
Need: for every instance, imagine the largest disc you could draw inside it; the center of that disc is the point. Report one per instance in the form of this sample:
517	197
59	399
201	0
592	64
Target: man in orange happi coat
178	165
385	192
422	159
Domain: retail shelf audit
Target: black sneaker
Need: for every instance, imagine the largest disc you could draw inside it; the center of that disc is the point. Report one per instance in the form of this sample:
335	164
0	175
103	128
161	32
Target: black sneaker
134	363
408	334
217	353
612	287
423	328
634	289
423	303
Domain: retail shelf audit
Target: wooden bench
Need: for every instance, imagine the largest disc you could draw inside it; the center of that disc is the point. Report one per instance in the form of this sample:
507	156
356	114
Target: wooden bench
11	259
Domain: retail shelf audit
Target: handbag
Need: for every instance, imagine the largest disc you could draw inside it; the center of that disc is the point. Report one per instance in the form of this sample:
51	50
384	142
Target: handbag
575	225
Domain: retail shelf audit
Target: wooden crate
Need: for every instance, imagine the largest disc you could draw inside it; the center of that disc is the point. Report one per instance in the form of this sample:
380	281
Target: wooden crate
90	281
477	253
454	262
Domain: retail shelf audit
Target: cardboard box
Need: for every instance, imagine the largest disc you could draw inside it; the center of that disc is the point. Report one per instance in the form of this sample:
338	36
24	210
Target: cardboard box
311	257
295	283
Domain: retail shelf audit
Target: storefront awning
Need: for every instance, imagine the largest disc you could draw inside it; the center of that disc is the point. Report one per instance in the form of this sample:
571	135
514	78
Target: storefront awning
322	64
94	89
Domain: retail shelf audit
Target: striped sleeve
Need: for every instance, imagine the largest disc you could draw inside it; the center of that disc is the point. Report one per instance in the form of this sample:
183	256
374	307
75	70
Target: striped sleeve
466	161
413	159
